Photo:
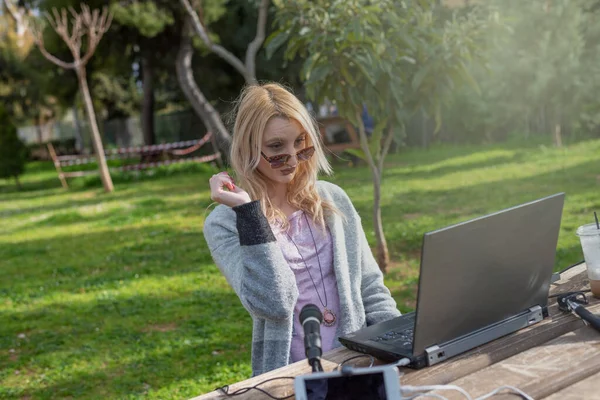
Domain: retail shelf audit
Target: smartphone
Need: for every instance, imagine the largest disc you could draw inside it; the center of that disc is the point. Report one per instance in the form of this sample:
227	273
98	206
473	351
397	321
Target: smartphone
376	383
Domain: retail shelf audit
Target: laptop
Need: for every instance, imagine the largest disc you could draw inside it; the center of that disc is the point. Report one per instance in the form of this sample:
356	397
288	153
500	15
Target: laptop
479	280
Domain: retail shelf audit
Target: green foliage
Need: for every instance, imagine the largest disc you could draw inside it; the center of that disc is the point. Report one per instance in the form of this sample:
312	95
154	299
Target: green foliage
116	94
145	16
542	70
394	57
13	152
24	87
141	31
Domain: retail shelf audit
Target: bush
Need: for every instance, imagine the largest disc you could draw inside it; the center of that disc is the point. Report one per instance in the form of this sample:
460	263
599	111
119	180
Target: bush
13	152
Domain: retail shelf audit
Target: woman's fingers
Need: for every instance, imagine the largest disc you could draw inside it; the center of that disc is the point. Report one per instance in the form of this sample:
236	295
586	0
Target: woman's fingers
220	180
231	196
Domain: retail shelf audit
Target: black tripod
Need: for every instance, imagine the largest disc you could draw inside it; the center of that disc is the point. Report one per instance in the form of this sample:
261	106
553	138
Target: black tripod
573	302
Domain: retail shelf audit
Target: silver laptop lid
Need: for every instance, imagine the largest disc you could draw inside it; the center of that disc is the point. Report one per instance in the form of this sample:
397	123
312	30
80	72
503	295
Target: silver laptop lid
483	271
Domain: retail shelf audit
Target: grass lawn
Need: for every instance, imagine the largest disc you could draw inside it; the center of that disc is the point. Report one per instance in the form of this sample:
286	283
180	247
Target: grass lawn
116	296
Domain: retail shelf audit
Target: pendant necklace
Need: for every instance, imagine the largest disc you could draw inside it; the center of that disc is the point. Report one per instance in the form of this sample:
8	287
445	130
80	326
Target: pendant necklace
328	315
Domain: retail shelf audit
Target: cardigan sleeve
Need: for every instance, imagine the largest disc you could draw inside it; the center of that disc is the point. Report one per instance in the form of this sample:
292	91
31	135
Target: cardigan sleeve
246	251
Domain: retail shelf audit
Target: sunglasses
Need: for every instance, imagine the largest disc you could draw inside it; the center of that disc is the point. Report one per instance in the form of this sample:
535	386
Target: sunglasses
280	160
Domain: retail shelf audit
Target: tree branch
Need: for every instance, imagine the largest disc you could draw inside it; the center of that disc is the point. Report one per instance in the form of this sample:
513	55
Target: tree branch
386	146
364	144
255	45
215	48
210	117
60	24
96	25
91	24
39	41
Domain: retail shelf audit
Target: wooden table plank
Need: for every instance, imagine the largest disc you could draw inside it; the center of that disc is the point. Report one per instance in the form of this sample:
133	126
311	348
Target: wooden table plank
542	370
280	388
587	389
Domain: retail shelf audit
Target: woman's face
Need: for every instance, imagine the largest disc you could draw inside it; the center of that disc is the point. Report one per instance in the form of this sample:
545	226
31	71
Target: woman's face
282	136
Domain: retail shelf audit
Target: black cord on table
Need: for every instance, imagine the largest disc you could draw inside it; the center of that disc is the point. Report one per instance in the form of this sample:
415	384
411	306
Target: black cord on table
225	389
566	293
340	365
556	276
563	271
571	266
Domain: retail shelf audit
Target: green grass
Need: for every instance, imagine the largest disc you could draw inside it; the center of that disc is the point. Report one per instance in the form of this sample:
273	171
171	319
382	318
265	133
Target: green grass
116	296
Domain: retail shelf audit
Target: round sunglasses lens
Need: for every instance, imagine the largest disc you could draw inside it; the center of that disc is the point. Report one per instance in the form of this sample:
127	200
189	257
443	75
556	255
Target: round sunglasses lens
306	154
279	161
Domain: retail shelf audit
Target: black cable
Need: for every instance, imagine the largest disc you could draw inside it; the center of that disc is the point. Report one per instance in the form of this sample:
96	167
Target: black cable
563	271
556	276
355	357
571	266
225	389
567	293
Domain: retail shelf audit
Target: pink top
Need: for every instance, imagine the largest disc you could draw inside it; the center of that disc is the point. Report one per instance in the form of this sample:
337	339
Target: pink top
301	237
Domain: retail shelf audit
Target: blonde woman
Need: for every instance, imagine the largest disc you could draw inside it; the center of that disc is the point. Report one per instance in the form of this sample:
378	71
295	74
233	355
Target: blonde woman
284	239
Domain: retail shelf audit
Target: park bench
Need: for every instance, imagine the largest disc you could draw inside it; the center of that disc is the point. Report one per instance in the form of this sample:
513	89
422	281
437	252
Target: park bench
148	157
338	134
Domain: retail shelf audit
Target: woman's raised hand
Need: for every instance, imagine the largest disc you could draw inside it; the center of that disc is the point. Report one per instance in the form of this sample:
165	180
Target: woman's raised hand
223	190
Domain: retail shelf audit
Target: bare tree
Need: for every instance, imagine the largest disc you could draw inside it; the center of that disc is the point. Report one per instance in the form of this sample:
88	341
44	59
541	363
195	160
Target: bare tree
93	25
209	115
247	68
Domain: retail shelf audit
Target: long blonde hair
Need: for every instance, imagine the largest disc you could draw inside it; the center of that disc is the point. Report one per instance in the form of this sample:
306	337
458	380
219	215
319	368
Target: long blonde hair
256	105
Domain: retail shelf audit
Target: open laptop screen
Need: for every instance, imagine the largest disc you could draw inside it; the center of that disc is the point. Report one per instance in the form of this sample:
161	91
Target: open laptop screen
483	271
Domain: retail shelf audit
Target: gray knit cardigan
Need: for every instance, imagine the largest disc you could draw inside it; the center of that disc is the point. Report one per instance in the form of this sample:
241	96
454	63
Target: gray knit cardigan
245	250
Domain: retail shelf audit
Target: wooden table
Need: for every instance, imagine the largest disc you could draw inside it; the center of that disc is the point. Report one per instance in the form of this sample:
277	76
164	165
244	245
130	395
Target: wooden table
558	358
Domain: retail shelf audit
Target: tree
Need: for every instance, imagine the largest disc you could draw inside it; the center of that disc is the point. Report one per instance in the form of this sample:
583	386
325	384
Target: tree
93	25
392	57
23	86
248	68
203	108
146	25
13	153
199	102
542	74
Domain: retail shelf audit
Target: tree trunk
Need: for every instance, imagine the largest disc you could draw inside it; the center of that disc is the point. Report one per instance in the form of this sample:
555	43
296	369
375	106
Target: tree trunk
18	182
424	132
543	129
210	117
247	69
38	129
557	136
96	140
148	101
382	256
78	134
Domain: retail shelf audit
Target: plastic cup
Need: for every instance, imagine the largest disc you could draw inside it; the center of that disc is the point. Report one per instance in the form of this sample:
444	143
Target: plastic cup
590	243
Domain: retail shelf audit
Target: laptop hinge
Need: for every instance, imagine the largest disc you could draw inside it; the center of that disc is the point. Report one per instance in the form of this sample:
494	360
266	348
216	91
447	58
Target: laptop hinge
439	352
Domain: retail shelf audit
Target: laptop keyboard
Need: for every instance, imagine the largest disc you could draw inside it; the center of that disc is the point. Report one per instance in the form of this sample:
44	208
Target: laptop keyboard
402	337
